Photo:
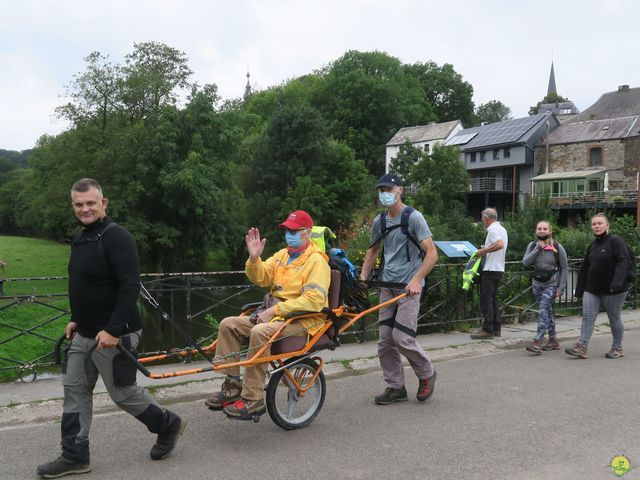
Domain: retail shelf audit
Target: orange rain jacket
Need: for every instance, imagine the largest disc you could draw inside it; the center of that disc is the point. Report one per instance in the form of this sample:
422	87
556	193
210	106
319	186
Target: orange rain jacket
303	285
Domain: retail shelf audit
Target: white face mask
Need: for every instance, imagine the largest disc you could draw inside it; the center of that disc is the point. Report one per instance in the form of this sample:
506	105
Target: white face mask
387	199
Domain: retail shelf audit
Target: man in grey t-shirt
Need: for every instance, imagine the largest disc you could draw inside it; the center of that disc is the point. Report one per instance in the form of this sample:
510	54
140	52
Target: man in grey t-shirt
409	255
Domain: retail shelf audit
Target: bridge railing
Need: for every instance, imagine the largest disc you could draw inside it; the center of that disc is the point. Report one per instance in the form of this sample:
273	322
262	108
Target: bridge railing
34	311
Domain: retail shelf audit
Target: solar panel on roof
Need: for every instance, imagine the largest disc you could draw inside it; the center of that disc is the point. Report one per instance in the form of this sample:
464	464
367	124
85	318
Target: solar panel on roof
461	139
503	132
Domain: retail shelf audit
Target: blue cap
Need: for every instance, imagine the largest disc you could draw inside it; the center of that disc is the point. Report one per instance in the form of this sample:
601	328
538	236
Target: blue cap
389	180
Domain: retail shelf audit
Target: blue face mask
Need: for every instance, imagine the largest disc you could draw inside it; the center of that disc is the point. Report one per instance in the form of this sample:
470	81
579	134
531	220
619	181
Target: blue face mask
387	199
293	239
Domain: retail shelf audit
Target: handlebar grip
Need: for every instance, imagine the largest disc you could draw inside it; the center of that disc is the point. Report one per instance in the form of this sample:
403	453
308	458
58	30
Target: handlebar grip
57	356
133	359
121	349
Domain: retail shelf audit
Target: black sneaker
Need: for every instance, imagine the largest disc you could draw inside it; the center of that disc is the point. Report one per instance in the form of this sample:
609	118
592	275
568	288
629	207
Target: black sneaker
166	442
61	467
391	395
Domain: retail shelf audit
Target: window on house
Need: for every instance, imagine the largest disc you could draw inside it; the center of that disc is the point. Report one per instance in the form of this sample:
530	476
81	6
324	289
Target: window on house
496	153
483	156
594	186
472	157
507	152
557	189
595	156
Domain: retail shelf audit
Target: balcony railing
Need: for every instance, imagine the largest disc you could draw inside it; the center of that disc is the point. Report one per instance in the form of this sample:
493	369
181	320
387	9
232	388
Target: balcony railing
580	199
491	184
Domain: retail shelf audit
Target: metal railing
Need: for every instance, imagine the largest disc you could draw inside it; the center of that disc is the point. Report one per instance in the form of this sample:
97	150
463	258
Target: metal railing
32	320
592	198
491	184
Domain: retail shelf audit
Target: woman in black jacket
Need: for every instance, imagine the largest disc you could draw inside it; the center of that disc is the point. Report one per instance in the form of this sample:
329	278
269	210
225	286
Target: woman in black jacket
603	281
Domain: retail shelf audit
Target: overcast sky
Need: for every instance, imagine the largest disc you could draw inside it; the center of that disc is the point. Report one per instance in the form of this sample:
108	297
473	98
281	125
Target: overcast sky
503	48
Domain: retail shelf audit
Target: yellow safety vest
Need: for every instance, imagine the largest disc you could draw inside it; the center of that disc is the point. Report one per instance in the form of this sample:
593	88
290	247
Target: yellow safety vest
318	236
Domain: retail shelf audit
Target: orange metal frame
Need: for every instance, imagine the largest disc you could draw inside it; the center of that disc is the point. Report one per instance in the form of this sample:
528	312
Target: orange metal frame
279	359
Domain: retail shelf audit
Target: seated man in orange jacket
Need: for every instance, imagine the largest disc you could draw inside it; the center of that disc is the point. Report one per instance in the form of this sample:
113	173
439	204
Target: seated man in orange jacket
298	279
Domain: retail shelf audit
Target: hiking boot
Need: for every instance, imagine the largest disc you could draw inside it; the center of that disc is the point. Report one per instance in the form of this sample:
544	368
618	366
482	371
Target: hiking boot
426	387
614	353
61	467
551	344
391	395
534	346
229	393
245	409
578	350
481	334
166	441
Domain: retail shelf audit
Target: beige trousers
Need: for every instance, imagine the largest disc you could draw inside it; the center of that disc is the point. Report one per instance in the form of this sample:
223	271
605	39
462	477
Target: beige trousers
232	331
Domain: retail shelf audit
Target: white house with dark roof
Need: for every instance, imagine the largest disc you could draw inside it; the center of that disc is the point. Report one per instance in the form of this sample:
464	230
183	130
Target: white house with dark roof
500	160
421	136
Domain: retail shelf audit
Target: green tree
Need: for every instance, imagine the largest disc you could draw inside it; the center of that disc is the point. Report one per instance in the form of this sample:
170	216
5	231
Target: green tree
448	94
405	161
152	76
295	165
493	111
365	98
95	93
166	170
442	180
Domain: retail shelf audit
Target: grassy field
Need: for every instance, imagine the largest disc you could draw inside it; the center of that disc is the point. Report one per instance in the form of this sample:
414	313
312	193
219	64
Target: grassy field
29	257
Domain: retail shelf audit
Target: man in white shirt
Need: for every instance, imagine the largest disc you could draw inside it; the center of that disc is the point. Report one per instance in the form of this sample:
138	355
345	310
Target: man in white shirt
494	251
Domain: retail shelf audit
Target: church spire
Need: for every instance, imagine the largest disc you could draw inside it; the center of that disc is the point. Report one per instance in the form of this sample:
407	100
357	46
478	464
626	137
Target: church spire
247	88
552	82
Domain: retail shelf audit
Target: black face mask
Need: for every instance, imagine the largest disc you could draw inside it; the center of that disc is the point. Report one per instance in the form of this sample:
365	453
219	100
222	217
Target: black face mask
543	237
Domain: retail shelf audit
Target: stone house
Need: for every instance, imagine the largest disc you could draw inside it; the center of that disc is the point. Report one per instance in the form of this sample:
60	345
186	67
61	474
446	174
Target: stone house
590	164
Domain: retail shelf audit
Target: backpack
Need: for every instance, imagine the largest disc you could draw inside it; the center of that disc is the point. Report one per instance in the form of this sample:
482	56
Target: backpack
632	269
353	291
546	275
404	228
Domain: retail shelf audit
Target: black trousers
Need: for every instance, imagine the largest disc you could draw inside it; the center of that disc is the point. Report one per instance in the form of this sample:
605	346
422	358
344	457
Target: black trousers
489	301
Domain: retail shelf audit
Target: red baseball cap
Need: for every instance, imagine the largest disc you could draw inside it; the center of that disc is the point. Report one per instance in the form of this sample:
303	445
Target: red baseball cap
297	220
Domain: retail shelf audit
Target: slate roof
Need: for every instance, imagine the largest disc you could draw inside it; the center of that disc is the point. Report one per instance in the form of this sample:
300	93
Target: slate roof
423	133
624	102
508	132
559	107
595	130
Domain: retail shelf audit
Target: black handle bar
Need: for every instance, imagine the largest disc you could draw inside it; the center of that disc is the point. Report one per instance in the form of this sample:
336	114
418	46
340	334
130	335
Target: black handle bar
124	351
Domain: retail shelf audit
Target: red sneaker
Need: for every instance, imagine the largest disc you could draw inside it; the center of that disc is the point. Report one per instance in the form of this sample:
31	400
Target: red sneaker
426	387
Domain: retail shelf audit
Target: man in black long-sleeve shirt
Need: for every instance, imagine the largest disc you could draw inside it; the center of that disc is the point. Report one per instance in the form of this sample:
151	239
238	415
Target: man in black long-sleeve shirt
104	281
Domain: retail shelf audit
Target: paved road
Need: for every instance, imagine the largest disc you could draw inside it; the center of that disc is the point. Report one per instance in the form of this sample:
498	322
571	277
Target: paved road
507	415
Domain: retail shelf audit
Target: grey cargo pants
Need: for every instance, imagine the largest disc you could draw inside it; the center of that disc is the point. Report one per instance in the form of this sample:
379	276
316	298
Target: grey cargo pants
397	335
78	396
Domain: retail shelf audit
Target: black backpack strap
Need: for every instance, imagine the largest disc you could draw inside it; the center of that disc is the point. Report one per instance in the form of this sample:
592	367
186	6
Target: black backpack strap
383	229
404	226
101	250
79	239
